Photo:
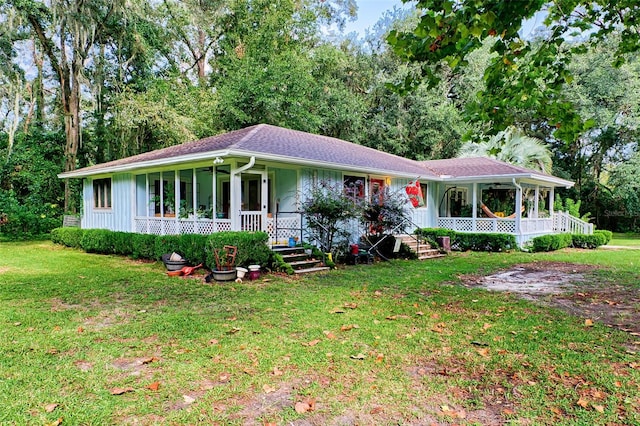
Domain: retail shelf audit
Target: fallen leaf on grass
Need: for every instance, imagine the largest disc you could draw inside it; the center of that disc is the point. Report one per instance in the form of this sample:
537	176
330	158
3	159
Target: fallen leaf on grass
582	402
311	343
420	313
598	408
213	341
302	407
351	305
50	407
80	330
188	399
379	358
508	412
55	422
588	323
486	326
556	410
268	388
277	372
329	335
483	352
120	391
224	377
439	327
360	356
376	410
150	360
153	386
349	327
234	330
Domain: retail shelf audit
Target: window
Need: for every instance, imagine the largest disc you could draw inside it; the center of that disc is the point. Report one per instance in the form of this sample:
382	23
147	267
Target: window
423	189
354	187
377	190
102	193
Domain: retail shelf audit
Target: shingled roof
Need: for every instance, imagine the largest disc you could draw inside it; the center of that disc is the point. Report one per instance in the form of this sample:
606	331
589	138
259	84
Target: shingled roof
273	143
475	168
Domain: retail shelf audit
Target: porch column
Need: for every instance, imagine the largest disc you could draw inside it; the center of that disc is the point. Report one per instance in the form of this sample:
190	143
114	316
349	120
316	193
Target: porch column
176	198
551	201
147	203
535	204
518	208
236	201
194	200
474	206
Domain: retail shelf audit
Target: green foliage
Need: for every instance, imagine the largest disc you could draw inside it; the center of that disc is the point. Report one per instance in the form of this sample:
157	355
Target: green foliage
463	241
608	235
326	210
166	244
30	191
512	146
551	242
523	77
589	241
193	248
280	265
252	247
97	241
143	246
570	206
69	237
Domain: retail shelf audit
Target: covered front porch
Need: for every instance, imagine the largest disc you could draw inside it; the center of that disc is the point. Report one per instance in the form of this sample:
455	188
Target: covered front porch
522	208
231	195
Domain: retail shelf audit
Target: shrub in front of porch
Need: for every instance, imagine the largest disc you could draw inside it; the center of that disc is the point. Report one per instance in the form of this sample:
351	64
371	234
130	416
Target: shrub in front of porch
588	241
252	247
69	237
474	241
551	242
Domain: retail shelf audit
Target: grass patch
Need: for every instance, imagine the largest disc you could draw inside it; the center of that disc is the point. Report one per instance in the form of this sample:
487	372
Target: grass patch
390	343
625	239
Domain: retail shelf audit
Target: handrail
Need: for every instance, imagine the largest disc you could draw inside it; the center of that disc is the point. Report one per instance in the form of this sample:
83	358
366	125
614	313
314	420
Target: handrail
277	228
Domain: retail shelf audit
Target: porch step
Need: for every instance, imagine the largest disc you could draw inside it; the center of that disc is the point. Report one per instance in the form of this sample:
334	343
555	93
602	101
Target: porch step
301	262
423	250
311	270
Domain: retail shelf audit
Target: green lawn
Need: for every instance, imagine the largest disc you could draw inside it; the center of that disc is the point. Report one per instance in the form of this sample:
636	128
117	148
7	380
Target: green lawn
628	239
113	341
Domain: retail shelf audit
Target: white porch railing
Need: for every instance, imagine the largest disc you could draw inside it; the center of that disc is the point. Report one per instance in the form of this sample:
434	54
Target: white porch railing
251	221
172	226
564	222
289	226
468	224
561	222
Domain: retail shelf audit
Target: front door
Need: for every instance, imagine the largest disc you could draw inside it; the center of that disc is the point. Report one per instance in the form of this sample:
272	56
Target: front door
253	201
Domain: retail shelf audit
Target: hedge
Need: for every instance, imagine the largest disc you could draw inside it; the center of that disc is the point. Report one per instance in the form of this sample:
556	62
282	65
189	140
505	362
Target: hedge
473	241
69	237
196	248
607	235
589	241
551	242
252	247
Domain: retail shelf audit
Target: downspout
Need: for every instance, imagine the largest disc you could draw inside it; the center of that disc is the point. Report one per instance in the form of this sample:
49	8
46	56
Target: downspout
518	212
236	191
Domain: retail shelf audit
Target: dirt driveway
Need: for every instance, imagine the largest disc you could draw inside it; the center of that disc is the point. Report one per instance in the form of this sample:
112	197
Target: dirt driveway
573	288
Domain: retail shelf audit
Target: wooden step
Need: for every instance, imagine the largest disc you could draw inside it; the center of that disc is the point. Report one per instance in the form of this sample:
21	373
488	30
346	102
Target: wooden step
301	264
311	270
423	250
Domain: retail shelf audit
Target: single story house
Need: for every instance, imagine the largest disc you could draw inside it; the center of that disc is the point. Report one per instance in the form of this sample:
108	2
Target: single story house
256	179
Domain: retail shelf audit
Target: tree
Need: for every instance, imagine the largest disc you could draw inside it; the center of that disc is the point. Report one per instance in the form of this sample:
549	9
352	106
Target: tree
523	75
66	30
625	181
514	147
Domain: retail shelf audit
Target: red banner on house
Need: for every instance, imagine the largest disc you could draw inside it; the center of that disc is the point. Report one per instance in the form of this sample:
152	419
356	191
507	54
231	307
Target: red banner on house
414	191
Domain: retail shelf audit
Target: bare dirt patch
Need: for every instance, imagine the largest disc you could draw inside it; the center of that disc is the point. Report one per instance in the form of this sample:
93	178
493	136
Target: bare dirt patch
572	288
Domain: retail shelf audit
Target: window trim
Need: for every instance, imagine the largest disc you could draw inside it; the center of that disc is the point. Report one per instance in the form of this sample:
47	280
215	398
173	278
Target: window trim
102	194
